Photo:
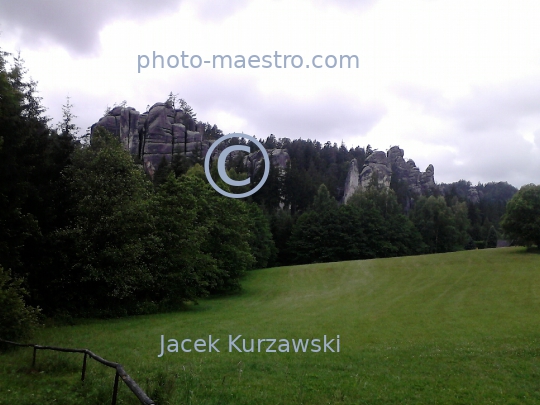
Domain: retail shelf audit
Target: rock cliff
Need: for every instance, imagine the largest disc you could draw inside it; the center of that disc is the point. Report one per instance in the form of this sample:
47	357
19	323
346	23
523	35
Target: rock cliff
164	131
386	168
279	157
160	132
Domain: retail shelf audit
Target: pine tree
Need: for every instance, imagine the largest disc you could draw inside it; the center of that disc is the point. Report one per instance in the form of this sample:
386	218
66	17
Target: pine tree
187	108
491	240
67	127
24	137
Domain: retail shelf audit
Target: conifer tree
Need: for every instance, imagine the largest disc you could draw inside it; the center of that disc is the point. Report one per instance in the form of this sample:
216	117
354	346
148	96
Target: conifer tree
67	126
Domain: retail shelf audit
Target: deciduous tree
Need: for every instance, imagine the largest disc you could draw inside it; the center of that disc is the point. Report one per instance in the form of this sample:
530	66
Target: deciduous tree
522	219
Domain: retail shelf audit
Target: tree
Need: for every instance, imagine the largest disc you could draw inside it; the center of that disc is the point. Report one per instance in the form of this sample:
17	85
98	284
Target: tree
33	201
261	243
269	196
522	219
121	104
369	150
67	127
212	131
326	233
187	108
389	231
281	225
436	223
323	201
370	225
24	137
316	238
229	229
462	222
491	241
181	271
106	240
50	205
298	188
401	188
336	235
162	172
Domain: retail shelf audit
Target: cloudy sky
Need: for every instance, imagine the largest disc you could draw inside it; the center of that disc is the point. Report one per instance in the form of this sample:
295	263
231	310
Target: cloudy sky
455	83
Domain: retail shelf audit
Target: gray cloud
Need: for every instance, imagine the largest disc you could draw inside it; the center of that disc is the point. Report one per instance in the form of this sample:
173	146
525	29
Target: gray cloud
218	10
494	156
324	117
503	107
73	24
486	131
485	108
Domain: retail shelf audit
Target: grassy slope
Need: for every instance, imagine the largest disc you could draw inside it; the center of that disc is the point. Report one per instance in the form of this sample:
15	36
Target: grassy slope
456	328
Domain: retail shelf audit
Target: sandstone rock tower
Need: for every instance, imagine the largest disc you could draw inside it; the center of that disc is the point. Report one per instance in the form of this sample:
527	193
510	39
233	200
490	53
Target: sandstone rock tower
161	132
385	166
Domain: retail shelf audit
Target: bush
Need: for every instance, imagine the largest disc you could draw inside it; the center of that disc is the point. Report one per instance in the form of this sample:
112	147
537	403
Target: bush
17	320
480	244
471	245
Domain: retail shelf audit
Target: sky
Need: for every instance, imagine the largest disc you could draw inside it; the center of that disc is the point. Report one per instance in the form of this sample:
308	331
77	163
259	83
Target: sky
455	83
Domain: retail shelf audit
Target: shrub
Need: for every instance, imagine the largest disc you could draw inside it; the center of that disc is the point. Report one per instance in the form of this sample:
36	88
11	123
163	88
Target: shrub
17	320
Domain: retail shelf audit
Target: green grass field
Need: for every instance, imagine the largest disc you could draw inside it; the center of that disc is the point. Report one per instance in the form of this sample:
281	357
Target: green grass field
455	328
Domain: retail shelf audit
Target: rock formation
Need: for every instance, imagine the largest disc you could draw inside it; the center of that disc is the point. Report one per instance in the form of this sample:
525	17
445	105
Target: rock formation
376	167
473	195
163	132
385	168
279	157
160	132
351	182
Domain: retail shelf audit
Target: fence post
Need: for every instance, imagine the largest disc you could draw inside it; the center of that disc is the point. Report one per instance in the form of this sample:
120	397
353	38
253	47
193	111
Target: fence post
115	389
83	368
34	357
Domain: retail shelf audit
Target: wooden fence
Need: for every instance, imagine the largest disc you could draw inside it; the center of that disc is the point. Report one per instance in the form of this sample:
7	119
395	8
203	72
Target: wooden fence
120	372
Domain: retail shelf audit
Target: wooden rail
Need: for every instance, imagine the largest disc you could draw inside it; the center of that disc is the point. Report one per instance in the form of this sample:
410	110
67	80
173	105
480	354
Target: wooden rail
120	372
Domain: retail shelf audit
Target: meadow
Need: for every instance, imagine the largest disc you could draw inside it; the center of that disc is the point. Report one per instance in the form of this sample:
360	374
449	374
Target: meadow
453	328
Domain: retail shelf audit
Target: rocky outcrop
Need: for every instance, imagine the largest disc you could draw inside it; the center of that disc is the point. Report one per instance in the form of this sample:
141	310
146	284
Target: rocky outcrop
376	169
351	182
383	169
122	122
161	132
279	157
473	195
